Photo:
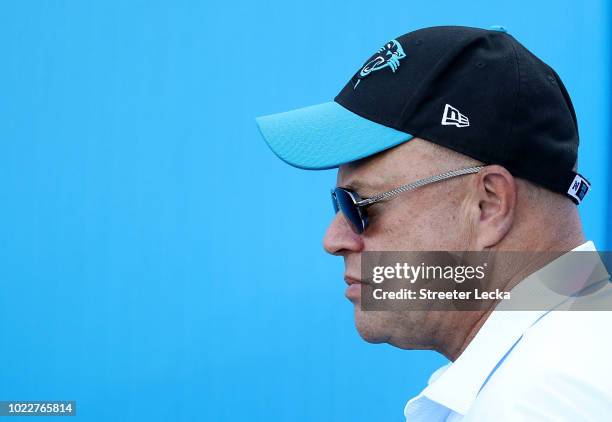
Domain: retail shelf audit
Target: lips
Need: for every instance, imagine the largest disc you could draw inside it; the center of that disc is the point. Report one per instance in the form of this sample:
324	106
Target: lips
353	291
351	280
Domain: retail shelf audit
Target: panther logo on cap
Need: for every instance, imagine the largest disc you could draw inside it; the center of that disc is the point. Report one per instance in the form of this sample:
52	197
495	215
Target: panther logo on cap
387	56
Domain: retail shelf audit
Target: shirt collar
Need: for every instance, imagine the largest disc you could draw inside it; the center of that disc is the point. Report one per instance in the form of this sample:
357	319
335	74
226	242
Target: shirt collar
456	385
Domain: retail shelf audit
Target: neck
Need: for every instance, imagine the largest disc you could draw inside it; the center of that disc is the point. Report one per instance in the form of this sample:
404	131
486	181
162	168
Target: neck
460	332
457	332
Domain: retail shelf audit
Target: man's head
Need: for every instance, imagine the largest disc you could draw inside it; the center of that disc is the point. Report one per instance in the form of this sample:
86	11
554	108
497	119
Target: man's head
447	98
488	210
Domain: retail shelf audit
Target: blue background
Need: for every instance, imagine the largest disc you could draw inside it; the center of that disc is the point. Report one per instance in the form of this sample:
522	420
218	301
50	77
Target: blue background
156	262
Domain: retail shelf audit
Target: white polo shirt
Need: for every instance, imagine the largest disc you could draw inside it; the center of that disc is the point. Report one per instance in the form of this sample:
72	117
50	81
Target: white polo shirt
527	366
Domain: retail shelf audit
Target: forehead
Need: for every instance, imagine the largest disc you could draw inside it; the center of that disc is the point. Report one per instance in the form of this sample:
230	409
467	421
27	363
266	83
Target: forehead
398	164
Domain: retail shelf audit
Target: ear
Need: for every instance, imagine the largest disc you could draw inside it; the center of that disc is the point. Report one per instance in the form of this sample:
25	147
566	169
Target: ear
493	203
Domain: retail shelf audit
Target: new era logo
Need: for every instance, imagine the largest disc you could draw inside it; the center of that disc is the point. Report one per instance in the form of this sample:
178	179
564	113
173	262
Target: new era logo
579	188
452	117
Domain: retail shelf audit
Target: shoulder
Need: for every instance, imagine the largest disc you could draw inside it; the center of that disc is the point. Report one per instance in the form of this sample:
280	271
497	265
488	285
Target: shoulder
558	370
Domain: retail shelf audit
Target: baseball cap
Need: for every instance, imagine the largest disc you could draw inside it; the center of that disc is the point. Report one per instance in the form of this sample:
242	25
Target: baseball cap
475	91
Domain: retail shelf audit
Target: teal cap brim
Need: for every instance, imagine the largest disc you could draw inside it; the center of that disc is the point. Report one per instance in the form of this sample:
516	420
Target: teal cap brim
325	136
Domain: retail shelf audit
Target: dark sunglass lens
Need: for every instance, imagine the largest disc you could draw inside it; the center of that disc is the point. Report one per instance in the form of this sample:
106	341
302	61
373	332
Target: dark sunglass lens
349	209
334	201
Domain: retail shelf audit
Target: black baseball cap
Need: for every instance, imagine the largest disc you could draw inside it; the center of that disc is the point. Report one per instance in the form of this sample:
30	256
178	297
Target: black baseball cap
475	91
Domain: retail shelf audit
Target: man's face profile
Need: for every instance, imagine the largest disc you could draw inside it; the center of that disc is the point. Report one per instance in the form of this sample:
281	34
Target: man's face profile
427	219
474	212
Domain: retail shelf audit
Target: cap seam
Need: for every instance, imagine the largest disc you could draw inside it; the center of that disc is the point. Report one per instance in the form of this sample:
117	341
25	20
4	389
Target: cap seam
518	95
370	118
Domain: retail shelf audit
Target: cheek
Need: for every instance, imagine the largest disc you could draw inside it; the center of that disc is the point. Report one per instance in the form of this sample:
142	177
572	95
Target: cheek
431	226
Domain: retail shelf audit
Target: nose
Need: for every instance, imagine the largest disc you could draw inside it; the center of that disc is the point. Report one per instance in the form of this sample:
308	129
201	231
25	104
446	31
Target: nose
340	239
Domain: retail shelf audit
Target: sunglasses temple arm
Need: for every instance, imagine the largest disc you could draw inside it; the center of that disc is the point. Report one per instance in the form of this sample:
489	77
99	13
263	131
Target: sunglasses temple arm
417	184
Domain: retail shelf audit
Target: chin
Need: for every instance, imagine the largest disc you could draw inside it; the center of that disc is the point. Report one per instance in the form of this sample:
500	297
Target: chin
371	328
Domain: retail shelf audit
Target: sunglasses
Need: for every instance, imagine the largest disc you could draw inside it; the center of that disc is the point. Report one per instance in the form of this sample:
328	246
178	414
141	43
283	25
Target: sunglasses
353	206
